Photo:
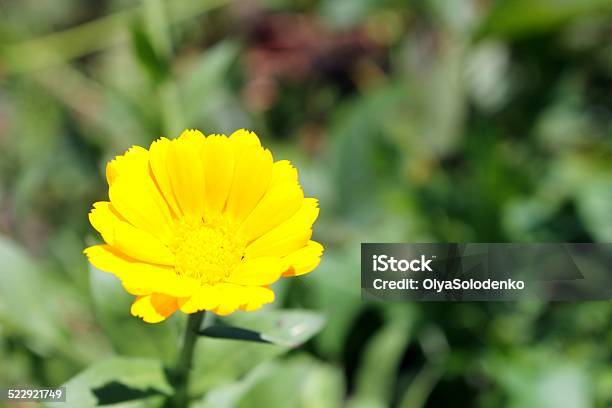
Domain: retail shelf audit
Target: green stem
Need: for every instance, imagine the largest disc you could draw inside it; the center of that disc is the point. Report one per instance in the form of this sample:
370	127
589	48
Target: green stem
182	370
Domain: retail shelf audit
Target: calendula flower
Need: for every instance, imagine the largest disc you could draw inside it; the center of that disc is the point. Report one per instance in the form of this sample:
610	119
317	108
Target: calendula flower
203	223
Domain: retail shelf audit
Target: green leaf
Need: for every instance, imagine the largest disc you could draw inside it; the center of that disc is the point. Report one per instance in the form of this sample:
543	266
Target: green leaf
381	360
105	32
594	201
111	380
540	377
232	333
129	335
154	64
289	328
219	362
228	396
24	303
516	18
300	381
334	288
35	306
421	386
206	80
357	138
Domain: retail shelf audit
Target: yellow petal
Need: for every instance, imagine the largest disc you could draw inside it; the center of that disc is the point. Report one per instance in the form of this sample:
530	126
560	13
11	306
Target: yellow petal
136	291
288	236
141	245
154	308
128	239
276	206
283	172
243	139
138	200
135	159
187	173
257	272
236	297
218	162
256	297
232	297
158	159
103	218
144	214
252	173
140	276
207	297
304	260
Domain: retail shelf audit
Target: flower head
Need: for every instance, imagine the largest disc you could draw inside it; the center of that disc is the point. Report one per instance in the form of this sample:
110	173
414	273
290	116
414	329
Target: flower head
203	223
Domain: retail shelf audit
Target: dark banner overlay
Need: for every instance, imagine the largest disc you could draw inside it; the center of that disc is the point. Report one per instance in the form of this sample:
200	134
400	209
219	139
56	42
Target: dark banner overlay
486	272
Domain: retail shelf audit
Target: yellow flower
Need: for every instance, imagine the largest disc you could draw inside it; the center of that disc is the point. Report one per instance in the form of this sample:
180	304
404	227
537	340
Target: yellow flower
203	223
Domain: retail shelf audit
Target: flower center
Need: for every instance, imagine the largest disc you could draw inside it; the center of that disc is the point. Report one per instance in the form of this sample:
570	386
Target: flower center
207	250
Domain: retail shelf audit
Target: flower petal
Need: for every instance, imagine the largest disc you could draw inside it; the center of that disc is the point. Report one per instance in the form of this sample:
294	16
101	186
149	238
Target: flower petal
256	297
158	159
141	245
304	260
135	159
154	308
243	139
128	239
276	206
258	272
137	199
289	236
103	218
218	162
232	297
187	173
207	297
140	276
283	172
252	173
236	297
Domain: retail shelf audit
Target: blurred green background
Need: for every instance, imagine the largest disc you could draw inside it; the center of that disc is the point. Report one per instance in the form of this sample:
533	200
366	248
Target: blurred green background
416	121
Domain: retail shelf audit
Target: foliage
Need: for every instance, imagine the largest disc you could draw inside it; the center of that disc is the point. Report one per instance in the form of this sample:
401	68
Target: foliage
424	121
